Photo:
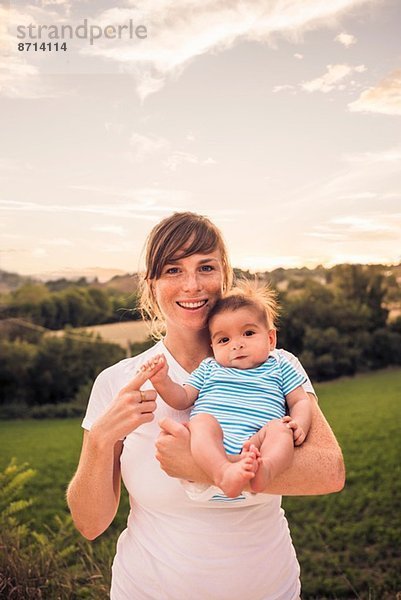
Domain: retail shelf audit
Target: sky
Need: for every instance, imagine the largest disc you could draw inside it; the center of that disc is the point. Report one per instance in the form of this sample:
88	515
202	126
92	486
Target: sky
279	119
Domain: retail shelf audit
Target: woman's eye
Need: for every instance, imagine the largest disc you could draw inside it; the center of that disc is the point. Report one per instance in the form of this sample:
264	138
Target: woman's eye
206	268
249	332
172	270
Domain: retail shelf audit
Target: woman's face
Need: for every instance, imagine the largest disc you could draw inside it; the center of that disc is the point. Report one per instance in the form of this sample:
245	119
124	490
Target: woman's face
187	290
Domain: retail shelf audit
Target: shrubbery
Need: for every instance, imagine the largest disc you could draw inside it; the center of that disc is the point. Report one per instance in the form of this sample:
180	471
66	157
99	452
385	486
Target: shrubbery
341	328
51	372
77	306
36	564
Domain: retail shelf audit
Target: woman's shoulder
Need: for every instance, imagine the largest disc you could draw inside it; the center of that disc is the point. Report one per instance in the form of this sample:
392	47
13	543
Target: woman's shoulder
286	355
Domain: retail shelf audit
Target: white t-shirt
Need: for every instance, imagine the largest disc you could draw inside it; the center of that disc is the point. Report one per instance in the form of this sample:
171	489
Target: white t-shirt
174	548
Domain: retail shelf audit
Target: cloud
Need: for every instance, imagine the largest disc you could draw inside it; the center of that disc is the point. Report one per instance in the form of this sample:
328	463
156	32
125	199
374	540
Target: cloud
363	182
261	263
346	39
358	196
39	253
59	242
146	145
356	228
384	99
369	224
148	204
391	155
282	88
333	78
144	198
113	229
176	159
180	32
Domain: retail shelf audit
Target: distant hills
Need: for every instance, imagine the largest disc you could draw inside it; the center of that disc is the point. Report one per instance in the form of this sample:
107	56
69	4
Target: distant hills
111	278
128	282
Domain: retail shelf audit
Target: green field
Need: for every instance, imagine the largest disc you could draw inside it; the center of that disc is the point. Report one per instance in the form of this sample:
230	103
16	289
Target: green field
348	544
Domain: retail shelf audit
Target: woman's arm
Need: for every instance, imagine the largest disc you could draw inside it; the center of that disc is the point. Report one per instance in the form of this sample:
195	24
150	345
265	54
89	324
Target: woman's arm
94	492
318	466
93	495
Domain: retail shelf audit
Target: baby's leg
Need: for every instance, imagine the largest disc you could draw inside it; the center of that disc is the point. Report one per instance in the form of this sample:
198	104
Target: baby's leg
208	451
277	451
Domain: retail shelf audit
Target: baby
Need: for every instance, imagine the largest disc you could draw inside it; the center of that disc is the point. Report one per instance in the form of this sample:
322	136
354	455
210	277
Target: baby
234	394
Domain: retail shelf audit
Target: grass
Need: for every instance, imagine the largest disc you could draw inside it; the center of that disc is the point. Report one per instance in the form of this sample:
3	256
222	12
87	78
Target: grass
348	544
52	448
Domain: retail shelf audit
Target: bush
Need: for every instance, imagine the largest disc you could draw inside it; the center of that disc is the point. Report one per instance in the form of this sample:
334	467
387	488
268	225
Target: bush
56	563
18	410
63	410
16	361
51	372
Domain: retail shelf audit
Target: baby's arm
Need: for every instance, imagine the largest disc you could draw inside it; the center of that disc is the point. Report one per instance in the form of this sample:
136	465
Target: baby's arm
175	395
300	417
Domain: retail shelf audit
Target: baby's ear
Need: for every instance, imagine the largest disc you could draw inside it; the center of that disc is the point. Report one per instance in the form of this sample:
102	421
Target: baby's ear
273	338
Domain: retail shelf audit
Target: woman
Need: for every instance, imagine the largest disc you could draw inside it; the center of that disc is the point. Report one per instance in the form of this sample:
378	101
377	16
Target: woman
175	548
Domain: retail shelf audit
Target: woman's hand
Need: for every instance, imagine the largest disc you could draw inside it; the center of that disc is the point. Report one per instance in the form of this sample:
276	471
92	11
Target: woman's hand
131	408
173	451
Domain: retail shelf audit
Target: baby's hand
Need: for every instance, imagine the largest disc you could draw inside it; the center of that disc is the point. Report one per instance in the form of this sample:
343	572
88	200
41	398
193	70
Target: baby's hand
297	431
155	369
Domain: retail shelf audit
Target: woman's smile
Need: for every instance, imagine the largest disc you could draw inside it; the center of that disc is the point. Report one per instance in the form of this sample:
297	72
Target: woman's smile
192	304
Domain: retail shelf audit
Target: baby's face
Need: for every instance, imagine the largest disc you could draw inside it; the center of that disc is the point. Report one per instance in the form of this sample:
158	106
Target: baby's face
240	338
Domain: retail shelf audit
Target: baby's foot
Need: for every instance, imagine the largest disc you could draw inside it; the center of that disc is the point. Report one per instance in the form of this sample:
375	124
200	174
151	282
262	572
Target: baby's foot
235	476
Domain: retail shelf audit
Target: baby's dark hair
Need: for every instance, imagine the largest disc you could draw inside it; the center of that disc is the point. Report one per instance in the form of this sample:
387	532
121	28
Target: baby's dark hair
247	294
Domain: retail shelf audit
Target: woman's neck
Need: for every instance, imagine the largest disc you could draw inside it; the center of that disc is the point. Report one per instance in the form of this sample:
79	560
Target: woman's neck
189	348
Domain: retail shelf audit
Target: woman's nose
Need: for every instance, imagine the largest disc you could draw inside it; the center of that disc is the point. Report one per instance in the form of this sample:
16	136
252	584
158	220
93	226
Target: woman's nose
192	282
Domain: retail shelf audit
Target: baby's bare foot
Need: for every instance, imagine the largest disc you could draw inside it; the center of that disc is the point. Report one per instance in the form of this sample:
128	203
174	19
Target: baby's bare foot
235	476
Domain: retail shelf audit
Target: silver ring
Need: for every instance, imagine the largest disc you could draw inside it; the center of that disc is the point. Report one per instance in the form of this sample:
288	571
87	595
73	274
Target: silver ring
143	397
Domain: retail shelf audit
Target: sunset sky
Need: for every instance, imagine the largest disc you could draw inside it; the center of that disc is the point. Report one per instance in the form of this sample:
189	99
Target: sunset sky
279	119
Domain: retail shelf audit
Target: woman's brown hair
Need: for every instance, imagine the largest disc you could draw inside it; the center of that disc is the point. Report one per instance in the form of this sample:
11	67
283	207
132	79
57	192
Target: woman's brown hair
178	236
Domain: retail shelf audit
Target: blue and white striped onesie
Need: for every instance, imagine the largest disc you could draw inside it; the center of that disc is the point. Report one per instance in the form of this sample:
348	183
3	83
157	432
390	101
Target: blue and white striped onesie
243	400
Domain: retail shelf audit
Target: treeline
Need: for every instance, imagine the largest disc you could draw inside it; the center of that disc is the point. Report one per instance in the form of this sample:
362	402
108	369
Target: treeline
341	326
75	304
45	376
50	376
337	325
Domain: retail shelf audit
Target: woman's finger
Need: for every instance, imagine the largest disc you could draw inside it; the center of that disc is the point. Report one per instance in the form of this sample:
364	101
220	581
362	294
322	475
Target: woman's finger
148	407
136	382
172	427
146	395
